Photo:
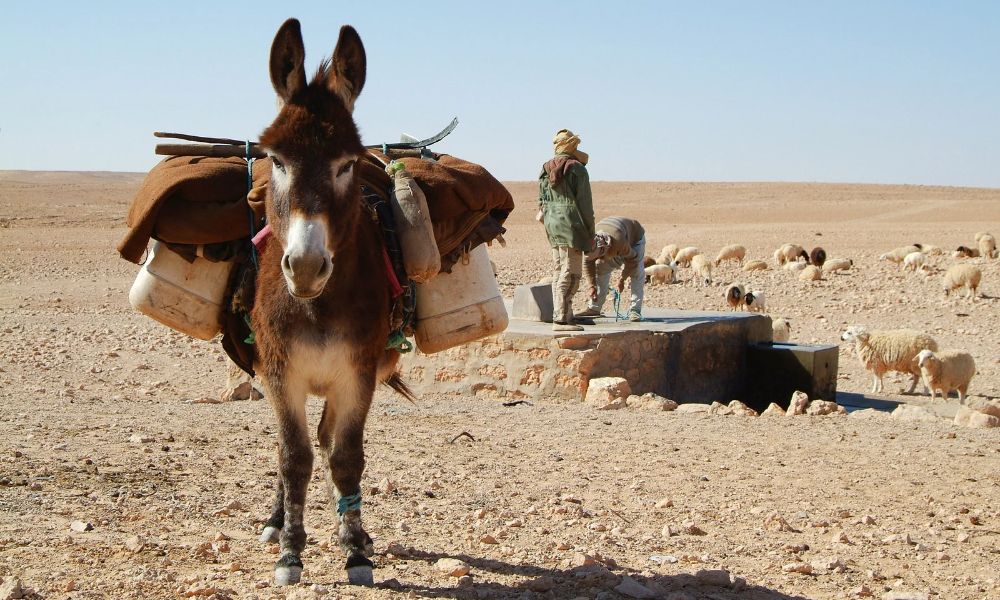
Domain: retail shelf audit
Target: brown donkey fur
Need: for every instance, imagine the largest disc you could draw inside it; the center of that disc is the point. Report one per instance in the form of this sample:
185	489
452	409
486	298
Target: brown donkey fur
323	304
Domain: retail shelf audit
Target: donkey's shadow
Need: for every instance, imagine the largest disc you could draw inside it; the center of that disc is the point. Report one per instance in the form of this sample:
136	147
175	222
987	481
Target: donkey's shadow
569	583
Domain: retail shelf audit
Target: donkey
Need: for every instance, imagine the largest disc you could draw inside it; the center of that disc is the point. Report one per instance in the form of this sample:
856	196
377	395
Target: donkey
322	309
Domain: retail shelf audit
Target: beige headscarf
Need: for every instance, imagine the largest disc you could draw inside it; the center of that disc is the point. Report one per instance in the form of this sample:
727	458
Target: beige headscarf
566	142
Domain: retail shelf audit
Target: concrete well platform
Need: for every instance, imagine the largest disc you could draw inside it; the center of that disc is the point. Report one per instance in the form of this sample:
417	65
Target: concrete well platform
687	356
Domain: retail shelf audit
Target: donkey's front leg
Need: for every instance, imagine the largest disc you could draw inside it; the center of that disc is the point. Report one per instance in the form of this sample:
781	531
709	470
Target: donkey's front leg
295	460
343	424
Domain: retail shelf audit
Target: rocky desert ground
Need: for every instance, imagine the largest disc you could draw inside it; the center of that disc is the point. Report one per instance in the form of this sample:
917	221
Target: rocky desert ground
122	476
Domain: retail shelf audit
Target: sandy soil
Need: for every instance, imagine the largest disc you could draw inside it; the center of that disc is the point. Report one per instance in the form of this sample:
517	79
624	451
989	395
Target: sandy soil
102	428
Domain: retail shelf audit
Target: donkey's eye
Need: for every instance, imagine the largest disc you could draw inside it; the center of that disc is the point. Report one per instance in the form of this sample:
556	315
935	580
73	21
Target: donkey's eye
346	167
277	163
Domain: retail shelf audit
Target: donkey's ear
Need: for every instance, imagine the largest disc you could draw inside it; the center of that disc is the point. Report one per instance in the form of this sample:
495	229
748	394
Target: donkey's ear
288	75
347	75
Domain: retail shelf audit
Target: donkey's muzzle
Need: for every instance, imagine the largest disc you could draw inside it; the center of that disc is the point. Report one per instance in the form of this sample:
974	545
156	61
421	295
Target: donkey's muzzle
307	273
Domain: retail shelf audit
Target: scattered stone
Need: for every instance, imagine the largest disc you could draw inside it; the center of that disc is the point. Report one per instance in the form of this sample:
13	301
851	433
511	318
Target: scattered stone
825	407
742	410
867	520
11	589
718	408
776	522
650	401
690	528
832	565
862	591
602	391
141	439
243	391
135	544
773	410
869	413
840	537
386	487
970	417
81	526
664	503
798	567
633	589
908	412
663	559
797	405
452	567
616	404
488	539
540	584
718	577
693	407
795	548
582	560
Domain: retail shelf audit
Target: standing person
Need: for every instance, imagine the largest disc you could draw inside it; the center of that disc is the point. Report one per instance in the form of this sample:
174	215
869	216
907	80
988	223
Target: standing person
619	243
567	211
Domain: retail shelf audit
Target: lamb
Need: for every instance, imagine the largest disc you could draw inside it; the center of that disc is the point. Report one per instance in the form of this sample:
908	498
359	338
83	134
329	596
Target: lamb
962	275
811	273
755	301
914	261
684	255
837	264
702	268
755	265
987	246
897	255
946	371
794	266
817	256
659	274
790	252
731	252
781	330
966	252
667	254
932	250
735	296
648	261
889	350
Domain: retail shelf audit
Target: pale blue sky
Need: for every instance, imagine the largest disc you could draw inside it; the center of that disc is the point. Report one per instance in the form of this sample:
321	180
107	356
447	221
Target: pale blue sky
865	91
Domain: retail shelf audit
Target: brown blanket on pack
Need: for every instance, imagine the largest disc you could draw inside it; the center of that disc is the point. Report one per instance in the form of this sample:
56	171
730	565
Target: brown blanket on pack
201	200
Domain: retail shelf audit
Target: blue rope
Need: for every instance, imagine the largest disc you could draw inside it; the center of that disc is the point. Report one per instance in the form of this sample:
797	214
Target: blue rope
348	503
618	303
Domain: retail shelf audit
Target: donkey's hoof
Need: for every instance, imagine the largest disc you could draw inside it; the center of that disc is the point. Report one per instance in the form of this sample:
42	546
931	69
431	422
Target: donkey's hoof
270	534
288	570
359	570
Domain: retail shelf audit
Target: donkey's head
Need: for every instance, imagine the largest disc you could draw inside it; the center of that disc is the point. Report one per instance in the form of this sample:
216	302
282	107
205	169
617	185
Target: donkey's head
314	201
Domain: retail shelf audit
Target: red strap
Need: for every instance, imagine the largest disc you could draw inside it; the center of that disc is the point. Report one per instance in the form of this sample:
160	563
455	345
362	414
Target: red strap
394	287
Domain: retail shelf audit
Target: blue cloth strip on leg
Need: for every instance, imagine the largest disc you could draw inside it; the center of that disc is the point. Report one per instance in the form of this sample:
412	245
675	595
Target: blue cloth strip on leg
348	503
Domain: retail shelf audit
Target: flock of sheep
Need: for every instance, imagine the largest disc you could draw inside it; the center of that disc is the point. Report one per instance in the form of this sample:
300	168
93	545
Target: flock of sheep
880	351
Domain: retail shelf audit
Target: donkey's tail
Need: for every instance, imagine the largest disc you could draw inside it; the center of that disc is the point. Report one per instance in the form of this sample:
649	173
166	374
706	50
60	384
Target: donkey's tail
395	381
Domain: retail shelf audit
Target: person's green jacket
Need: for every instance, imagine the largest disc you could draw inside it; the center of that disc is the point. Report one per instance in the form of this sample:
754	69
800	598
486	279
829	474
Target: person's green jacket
566	202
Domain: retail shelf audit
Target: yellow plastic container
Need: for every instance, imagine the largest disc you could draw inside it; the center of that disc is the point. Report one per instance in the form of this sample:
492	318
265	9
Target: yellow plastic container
459	307
185	296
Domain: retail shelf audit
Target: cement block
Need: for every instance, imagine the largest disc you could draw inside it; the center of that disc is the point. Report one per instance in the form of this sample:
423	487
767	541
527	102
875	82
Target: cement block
775	371
533	302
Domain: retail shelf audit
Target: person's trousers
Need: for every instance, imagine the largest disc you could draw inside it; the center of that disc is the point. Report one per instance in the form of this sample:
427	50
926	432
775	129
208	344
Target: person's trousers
568	264
637	279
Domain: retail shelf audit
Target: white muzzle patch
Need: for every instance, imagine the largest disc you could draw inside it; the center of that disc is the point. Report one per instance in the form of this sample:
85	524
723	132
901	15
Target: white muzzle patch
307	262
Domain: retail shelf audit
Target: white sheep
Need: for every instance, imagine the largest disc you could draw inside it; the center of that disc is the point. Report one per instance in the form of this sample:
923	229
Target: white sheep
659	274
889	350
896	255
755	265
837	264
702	268
987	246
914	261
946	371
755	301
962	275
794	266
811	273
790	252
979	235
734	296
684	255
932	250
667	254
781	330
731	252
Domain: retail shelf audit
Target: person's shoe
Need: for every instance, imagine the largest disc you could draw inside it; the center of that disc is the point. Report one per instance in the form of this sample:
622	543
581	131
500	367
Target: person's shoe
578	320
590	312
634	316
566	327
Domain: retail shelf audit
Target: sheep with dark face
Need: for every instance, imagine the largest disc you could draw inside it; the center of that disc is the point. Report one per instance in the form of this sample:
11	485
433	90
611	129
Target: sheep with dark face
755	301
817	257
734	295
